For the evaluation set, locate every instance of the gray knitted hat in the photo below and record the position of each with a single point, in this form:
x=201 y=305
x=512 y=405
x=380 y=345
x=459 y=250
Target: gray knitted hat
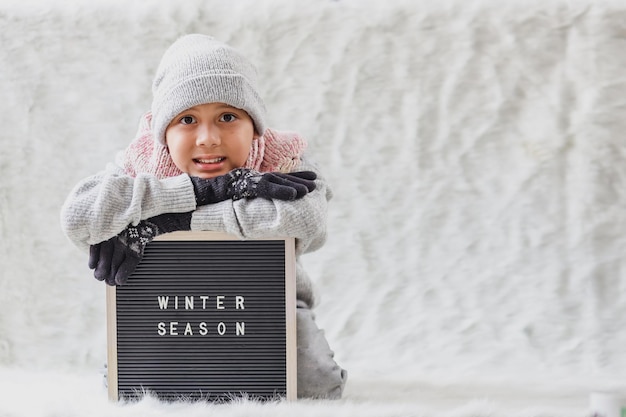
x=198 y=69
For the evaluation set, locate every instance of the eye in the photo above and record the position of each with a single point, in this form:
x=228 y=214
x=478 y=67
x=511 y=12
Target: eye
x=228 y=117
x=187 y=120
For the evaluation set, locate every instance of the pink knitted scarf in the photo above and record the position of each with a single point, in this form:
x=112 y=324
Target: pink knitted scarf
x=273 y=152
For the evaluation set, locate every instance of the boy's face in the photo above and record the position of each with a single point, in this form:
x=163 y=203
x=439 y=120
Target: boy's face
x=210 y=139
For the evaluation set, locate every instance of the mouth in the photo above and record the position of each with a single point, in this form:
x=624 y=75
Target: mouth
x=210 y=160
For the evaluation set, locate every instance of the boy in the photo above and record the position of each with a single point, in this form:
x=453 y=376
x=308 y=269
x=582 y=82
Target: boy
x=203 y=159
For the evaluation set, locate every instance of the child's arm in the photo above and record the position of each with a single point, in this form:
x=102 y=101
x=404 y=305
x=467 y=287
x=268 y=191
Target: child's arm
x=115 y=259
x=103 y=205
x=304 y=219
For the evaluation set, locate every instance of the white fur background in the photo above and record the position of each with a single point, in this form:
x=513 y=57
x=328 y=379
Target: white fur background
x=477 y=250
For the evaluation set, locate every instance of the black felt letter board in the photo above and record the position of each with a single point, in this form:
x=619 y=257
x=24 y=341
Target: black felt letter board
x=205 y=319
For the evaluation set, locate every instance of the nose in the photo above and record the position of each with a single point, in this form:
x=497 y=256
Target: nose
x=207 y=135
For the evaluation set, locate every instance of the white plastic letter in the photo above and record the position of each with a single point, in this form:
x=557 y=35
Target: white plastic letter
x=163 y=301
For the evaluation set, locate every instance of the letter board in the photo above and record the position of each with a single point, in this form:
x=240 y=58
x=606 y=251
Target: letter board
x=205 y=316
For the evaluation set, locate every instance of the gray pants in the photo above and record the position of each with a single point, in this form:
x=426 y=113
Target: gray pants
x=319 y=376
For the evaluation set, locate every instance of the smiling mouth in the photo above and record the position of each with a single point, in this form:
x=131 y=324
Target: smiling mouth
x=210 y=161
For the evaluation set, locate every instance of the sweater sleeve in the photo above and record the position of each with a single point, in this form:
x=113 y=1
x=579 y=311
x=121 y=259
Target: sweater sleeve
x=303 y=219
x=102 y=205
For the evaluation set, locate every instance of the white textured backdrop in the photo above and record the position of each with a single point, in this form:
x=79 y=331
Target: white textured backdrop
x=476 y=254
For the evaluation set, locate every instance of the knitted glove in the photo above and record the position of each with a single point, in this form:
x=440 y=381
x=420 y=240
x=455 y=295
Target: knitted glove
x=114 y=260
x=246 y=183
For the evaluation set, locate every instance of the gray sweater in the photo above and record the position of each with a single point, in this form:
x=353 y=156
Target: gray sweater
x=102 y=205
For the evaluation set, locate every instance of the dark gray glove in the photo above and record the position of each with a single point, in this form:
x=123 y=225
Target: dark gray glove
x=246 y=183
x=114 y=260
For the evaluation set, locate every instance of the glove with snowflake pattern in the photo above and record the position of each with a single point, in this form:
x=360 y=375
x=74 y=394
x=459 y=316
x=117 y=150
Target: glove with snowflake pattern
x=114 y=260
x=246 y=183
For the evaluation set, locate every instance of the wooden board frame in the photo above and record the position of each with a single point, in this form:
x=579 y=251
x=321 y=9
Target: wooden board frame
x=290 y=312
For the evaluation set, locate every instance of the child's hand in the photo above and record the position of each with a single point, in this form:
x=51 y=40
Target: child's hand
x=114 y=260
x=287 y=187
x=246 y=183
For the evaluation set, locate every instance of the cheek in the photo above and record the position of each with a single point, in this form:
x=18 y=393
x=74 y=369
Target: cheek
x=176 y=149
x=245 y=149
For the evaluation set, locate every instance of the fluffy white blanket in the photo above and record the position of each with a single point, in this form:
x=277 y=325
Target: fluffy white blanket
x=475 y=258
x=73 y=394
